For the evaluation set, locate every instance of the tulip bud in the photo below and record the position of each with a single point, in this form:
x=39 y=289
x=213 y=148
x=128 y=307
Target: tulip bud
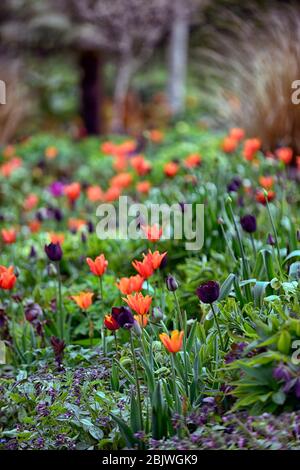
x=52 y=271
x=248 y=223
x=171 y=283
x=208 y=292
x=270 y=239
x=137 y=329
x=157 y=314
x=54 y=251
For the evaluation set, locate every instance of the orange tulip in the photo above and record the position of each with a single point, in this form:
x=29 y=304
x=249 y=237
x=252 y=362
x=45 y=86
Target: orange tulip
x=9 y=167
x=152 y=232
x=126 y=147
x=260 y=196
x=172 y=343
x=72 y=191
x=7 y=278
x=229 y=144
x=266 y=182
x=110 y=323
x=141 y=166
x=193 y=160
x=139 y=303
x=34 y=226
x=56 y=238
x=94 y=193
x=112 y=194
x=99 y=266
x=251 y=146
x=8 y=236
x=171 y=169
x=144 y=268
x=237 y=133
x=155 y=135
x=51 y=152
x=120 y=163
x=108 y=148
x=285 y=155
x=76 y=224
x=142 y=320
x=30 y=202
x=127 y=285
x=83 y=299
x=122 y=180
x=143 y=187
x=155 y=258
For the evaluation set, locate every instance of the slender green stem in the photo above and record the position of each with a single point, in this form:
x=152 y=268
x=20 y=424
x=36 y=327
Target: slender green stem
x=137 y=381
x=176 y=395
x=183 y=328
x=274 y=232
x=253 y=244
x=60 y=309
x=228 y=244
x=218 y=326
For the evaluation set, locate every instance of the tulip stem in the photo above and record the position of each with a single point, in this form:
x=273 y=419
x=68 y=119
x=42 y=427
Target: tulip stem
x=183 y=328
x=61 y=317
x=253 y=245
x=274 y=232
x=137 y=381
x=218 y=326
x=176 y=396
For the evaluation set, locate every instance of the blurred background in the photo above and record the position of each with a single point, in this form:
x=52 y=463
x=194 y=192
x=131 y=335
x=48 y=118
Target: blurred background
x=91 y=67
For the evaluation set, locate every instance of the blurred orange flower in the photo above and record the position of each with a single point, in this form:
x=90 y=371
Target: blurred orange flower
x=237 y=133
x=7 y=277
x=138 y=303
x=260 y=196
x=98 y=266
x=251 y=146
x=229 y=144
x=122 y=180
x=155 y=135
x=94 y=193
x=112 y=194
x=285 y=155
x=51 y=152
x=9 y=167
x=30 y=202
x=172 y=343
x=143 y=187
x=83 y=299
x=152 y=232
x=193 y=160
x=56 y=238
x=34 y=226
x=108 y=148
x=171 y=169
x=72 y=191
x=142 y=320
x=141 y=166
x=120 y=163
x=76 y=224
x=127 y=285
x=266 y=182
x=9 y=235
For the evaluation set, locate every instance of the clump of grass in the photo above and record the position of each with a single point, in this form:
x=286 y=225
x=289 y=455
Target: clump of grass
x=250 y=66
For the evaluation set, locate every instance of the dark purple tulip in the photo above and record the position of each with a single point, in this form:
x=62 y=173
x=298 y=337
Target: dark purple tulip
x=124 y=317
x=33 y=312
x=32 y=253
x=90 y=227
x=248 y=223
x=281 y=372
x=270 y=239
x=164 y=262
x=208 y=292
x=171 y=283
x=297 y=388
x=58 y=347
x=298 y=235
x=54 y=251
x=234 y=185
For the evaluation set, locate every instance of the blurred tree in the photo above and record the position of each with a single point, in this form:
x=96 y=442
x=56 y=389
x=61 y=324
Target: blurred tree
x=184 y=14
x=128 y=30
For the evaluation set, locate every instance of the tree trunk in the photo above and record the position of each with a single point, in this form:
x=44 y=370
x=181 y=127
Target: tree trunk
x=177 y=58
x=91 y=96
x=121 y=89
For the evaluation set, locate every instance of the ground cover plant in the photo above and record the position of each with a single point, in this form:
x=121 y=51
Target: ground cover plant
x=113 y=344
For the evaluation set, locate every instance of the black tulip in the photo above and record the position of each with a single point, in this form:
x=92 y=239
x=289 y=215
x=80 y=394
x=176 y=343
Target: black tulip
x=124 y=317
x=33 y=312
x=54 y=251
x=270 y=239
x=171 y=283
x=208 y=292
x=248 y=223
